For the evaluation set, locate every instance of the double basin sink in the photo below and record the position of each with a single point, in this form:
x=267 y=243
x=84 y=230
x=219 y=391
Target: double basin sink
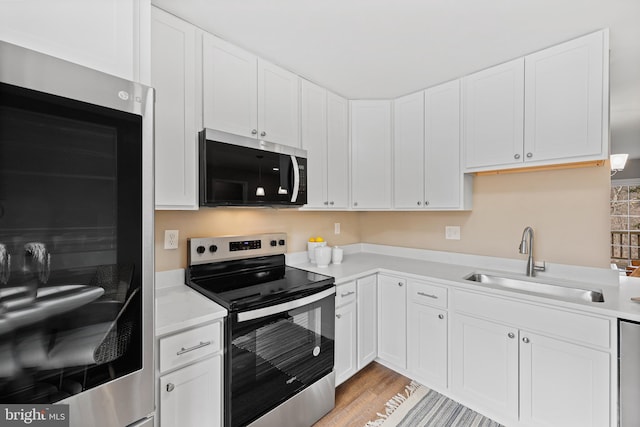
x=546 y=289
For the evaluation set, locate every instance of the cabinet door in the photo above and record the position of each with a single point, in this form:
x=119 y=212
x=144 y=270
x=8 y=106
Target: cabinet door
x=427 y=344
x=392 y=320
x=314 y=139
x=493 y=101
x=192 y=396
x=101 y=34
x=345 y=342
x=408 y=150
x=484 y=364
x=367 y=292
x=173 y=74
x=337 y=151
x=371 y=151
x=278 y=105
x=565 y=101
x=229 y=85
x=442 y=173
x=562 y=384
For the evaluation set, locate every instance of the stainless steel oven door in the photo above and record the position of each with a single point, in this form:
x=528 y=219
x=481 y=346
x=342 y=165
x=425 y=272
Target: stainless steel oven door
x=276 y=352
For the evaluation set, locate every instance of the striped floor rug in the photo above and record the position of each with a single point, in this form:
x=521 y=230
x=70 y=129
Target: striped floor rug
x=420 y=406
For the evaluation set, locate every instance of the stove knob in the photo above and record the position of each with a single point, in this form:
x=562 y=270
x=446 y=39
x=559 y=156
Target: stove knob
x=273 y=243
x=281 y=242
x=200 y=249
x=213 y=248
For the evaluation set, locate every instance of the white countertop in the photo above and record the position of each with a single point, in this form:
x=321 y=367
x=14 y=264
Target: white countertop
x=179 y=307
x=617 y=302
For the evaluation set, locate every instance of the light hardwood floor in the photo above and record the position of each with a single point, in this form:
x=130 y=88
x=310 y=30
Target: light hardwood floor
x=362 y=396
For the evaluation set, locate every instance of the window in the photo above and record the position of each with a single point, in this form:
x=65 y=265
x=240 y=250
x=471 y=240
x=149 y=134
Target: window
x=625 y=222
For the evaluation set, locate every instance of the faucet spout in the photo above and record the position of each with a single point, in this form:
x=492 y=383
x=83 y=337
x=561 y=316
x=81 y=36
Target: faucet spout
x=526 y=247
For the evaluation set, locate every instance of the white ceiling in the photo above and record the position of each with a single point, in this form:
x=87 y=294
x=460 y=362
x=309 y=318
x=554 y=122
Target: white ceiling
x=377 y=49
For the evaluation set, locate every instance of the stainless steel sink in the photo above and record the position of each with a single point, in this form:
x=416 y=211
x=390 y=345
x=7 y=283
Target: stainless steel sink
x=559 y=291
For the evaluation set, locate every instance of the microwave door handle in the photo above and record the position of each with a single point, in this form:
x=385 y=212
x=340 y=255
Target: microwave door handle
x=296 y=179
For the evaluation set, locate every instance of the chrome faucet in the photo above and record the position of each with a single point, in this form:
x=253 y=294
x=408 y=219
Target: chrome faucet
x=526 y=247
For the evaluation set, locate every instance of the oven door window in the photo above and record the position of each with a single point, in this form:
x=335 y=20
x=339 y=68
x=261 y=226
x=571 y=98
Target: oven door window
x=275 y=357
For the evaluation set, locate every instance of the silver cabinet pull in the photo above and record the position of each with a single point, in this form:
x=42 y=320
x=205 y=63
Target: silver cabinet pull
x=426 y=203
x=355 y=203
x=170 y=387
x=400 y=283
x=263 y=133
x=529 y=155
x=346 y=294
x=525 y=340
x=440 y=316
x=419 y=203
x=254 y=131
x=326 y=203
x=331 y=203
x=516 y=156
x=195 y=347
x=422 y=294
x=511 y=335
x=339 y=316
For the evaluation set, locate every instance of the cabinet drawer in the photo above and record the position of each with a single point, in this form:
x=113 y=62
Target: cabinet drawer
x=427 y=294
x=185 y=347
x=576 y=327
x=345 y=293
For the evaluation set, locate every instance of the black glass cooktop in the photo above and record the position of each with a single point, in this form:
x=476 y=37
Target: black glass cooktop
x=255 y=282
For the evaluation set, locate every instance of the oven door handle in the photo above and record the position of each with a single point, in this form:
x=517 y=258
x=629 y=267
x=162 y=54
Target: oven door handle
x=275 y=309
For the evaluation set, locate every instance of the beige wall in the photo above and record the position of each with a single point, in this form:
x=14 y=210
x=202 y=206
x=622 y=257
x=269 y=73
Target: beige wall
x=298 y=225
x=569 y=210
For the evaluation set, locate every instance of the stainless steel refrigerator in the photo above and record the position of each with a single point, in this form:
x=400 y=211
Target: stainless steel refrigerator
x=76 y=240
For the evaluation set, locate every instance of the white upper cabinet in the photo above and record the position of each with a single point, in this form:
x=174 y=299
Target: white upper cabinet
x=565 y=101
x=445 y=185
x=493 y=101
x=371 y=154
x=337 y=151
x=230 y=87
x=278 y=104
x=244 y=95
x=174 y=73
x=427 y=172
x=313 y=129
x=325 y=136
x=106 y=35
x=550 y=107
x=408 y=150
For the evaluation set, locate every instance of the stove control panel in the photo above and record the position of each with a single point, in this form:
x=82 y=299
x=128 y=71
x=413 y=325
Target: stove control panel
x=203 y=250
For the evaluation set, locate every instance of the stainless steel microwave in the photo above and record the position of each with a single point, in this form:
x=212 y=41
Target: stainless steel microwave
x=240 y=171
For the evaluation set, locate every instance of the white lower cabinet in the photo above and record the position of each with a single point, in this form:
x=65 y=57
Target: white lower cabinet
x=345 y=342
x=355 y=326
x=427 y=334
x=367 y=320
x=562 y=384
x=529 y=378
x=190 y=377
x=191 y=396
x=484 y=364
x=392 y=325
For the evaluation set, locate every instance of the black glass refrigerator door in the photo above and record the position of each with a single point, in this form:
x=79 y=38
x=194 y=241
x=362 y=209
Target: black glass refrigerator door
x=70 y=245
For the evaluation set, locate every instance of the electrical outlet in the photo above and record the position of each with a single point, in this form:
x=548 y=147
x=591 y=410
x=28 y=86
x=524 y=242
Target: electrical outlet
x=452 y=232
x=336 y=228
x=171 y=239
